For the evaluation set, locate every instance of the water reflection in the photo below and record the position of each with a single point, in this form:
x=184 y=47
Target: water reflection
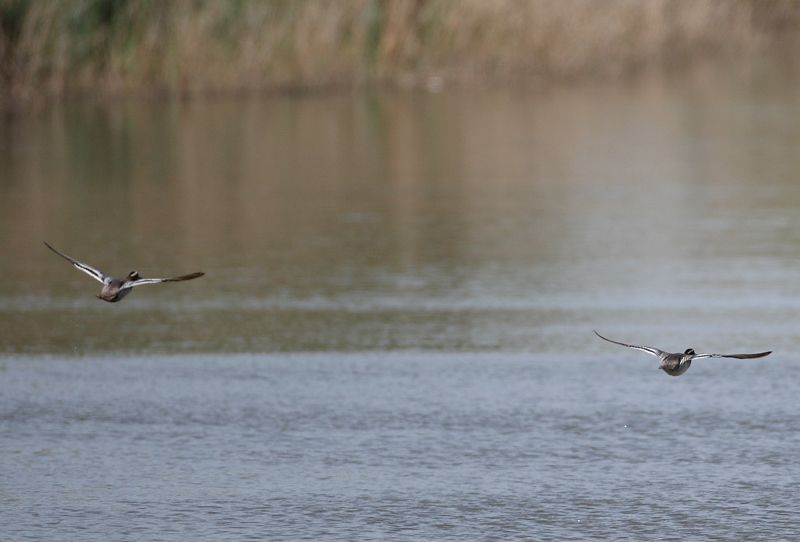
x=472 y=219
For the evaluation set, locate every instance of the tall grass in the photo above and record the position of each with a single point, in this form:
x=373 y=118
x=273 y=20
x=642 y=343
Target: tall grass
x=189 y=46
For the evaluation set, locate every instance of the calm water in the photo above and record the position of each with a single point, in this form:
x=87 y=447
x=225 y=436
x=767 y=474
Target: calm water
x=393 y=339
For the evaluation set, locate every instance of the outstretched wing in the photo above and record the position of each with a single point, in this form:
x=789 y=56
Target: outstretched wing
x=141 y=282
x=649 y=349
x=88 y=269
x=737 y=356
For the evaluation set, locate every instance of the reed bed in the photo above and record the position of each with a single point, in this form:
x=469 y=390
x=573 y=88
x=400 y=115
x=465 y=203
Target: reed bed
x=58 y=47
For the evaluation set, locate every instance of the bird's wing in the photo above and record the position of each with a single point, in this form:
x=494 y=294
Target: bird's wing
x=649 y=349
x=141 y=282
x=88 y=269
x=737 y=356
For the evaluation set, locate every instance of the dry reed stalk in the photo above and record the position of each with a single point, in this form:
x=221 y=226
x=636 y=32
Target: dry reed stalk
x=188 y=46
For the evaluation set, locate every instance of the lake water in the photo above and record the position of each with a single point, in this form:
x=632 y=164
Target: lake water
x=394 y=336
x=426 y=446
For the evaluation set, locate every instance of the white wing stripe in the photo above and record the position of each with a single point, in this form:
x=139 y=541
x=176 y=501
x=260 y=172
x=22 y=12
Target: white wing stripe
x=650 y=350
x=88 y=269
x=94 y=273
x=140 y=282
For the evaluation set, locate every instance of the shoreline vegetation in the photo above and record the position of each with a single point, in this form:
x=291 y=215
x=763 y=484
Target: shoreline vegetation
x=55 y=48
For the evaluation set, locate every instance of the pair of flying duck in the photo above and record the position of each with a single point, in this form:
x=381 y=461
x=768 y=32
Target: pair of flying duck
x=674 y=364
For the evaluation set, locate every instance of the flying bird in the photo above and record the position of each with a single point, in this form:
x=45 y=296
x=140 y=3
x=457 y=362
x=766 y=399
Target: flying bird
x=115 y=289
x=677 y=364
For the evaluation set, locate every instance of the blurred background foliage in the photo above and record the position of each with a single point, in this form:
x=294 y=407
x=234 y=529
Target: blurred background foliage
x=57 y=47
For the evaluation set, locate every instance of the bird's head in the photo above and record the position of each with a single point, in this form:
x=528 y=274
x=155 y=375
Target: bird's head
x=133 y=275
x=689 y=352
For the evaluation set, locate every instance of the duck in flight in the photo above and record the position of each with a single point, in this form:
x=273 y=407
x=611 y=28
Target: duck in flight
x=115 y=289
x=677 y=364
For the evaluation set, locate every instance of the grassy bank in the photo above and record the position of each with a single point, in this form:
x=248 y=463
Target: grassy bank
x=54 y=47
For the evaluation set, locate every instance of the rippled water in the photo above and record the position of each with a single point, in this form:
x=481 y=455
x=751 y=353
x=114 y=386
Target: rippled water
x=396 y=445
x=393 y=338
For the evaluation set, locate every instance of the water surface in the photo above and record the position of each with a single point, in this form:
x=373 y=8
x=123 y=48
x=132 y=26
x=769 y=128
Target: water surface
x=401 y=446
x=393 y=338
x=475 y=219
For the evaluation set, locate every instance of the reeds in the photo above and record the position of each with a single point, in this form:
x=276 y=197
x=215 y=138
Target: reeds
x=197 y=46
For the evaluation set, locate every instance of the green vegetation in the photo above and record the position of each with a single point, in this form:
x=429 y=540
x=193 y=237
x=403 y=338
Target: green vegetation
x=190 y=46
